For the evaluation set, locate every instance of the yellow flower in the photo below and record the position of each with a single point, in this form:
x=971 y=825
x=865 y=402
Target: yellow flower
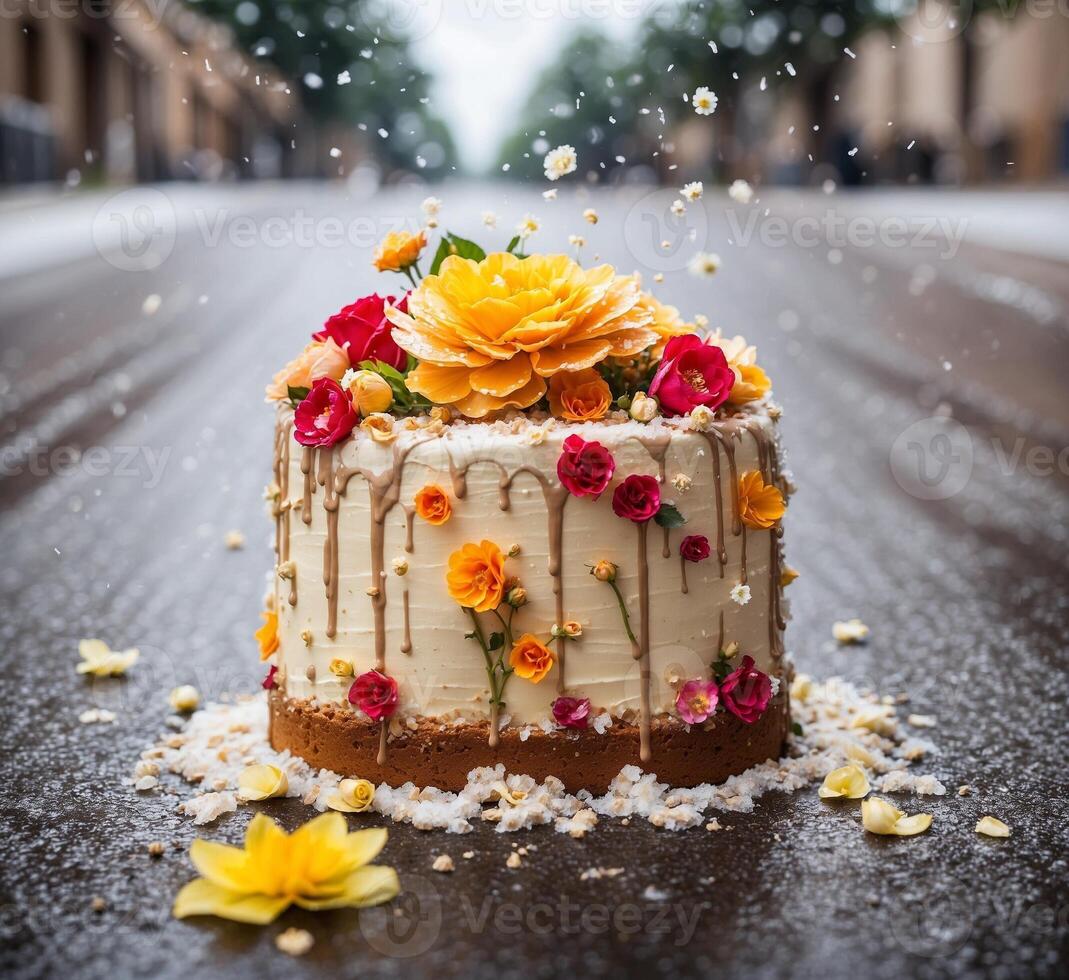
x=352 y=796
x=380 y=428
x=487 y=334
x=398 y=250
x=371 y=392
x=880 y=817
x=530 y=658
x=848 y=782
x=666 y=323
x=751 y=383
x=320 y=359
x=267 y=635
x=879 y=718
x=604 y=571
x=760 y=503
x=184 y=698
x=100 y=660
x=261 y=783
x=850 y=631
x=341 y=668
x=319 y=866
x=476 y=576
x=992 y=827
x=579 y=396
x=787 y=575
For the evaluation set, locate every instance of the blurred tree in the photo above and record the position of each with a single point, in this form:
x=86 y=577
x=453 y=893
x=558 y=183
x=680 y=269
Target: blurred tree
x=316 y=41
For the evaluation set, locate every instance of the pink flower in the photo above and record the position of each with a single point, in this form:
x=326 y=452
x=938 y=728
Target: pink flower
x=571 y=712
x=746 y=692
x=691 y=374
x=270 y=683
x=638 y=498
x=694 y=547
x=375 y=694
x=696 y=701
x=585 y=468
x=325 y=416
x=365 y=333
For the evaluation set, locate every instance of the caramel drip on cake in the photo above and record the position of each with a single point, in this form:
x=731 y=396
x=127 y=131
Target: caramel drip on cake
x=307 y=457
x=720 y=633
x=406 y=640
x=683 y=574
x=410 y=520
x=325 y=477
x=657 y=447
x=641 y=652
x=282 y=508
x=458 y=477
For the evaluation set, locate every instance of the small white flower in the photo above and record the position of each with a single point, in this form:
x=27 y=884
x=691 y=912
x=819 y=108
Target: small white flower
x=526 y=228
x=692 y=191
x=704 y=264
x=700 y=320
x=577 y=240
x=489 y=219
x=678 y=207
x=740 y=192
x=560 y=161
x=682 y=482
x=704 y=101
x=591 y=216
x=701 y=417
x=431 y=206
x=643 y=408
x=550 y=195
x=850 y=631
x=740 y=594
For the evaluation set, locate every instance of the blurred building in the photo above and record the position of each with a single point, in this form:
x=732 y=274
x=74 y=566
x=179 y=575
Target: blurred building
x=139 y=90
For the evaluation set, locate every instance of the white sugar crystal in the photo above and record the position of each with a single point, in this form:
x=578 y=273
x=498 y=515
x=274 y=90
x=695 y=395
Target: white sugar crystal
x=209 y=806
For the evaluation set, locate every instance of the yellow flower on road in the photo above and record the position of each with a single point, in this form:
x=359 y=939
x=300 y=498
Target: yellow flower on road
x=352 y=796
x=100 y=660
x=847 y=782
x=880 y=817
x=261 y=783
x=319 y=866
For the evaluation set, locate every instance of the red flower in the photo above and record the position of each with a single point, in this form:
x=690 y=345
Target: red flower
x=746 y=692
x=571 y=712
x=270 y=683
x=638 y=498
x=365 y=333
x=691 y=374
x=325 y=416
x=374 y=694
x=694 y=547
x=585 y=468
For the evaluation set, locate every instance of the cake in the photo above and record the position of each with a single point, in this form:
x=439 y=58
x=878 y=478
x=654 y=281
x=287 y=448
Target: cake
x=526 y=515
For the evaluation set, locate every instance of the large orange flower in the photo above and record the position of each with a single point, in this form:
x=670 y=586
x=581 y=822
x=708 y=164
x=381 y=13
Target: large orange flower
x=487 y=334
x=476 y=576
x=579 y=396
x=760 y=503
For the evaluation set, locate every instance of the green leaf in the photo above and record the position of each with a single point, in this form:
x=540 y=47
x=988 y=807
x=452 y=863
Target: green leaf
x=720 y=670
x=796 y=728
x=497 y=641
x=440 y=256
x=669 y=516
x=466 y=249
x=513 y=243
x=296 y=395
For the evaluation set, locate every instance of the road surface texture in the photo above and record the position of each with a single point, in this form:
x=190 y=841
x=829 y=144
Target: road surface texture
x=947 y=537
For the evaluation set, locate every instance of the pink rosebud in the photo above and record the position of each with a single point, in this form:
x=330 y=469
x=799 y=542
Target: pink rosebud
x=571 y=712
x=362 y=330
x=585 y=468
x=696 y=701
x=694 y=547
x=375 y=694
x=638 y=498
x=325 y=416
x=746 y=692
x=691 y=374
x=270 y=683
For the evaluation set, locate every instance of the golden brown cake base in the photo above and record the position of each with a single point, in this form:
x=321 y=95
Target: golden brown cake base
x=442 y=755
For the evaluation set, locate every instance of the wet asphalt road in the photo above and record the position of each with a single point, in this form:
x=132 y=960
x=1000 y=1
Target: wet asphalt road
x=948 y=539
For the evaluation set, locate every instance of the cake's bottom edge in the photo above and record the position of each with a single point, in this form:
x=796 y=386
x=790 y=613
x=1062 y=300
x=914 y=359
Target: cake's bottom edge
x=442 y=755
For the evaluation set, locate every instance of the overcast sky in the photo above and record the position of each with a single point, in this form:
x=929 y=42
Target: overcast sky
x=486 y=54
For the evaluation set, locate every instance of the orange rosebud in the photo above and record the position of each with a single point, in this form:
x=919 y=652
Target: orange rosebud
x=579 y=396
x=530 y=658
x=433 y=505
x=267 y=635
x=398 y=250
x=318 y=360
x=760 y=504
x=476 y=576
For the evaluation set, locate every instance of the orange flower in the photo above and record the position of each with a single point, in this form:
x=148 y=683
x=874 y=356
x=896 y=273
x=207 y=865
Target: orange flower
x=751 y=382
x=579 y=396
x=487 y=334
x=531 y=658
x=760 y=504
x=476 y=576
x=267 y=635
x=317 y=360
x=398 y=250
x=433 y=505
